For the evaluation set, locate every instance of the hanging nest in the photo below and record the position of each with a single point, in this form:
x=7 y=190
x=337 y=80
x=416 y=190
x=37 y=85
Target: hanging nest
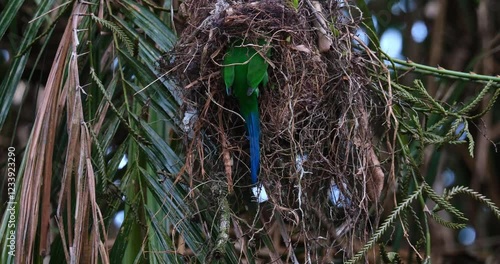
x=319 y=153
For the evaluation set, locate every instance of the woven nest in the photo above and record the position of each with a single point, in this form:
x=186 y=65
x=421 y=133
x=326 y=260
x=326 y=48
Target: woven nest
x=317 y=116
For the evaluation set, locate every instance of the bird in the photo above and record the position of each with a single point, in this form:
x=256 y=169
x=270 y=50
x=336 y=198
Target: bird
x=244 y=70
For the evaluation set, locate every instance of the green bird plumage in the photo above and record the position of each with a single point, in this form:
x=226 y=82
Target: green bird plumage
x=244 y=70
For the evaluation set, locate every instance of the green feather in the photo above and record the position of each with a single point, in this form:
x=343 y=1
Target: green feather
x=244 y=70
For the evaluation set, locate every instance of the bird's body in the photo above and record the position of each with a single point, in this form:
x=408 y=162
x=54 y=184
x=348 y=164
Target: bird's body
x=244 y=70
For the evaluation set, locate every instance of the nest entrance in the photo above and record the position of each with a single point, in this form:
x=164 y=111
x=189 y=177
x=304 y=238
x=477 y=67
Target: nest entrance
x=317 y=143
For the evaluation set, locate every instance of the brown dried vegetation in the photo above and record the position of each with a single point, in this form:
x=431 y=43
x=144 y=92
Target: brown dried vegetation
x=318 y=114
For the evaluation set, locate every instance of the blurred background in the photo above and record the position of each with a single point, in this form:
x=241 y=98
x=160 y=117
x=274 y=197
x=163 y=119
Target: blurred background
x=462 y=35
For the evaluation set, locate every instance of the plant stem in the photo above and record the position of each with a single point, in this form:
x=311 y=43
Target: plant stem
x=439 y=71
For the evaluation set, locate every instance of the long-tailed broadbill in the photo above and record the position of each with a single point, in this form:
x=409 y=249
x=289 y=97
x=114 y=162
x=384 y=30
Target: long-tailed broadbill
x=244 y=71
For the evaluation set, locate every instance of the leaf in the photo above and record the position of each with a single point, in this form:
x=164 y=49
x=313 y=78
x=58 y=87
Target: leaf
x=13 y=77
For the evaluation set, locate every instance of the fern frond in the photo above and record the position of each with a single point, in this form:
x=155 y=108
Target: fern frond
x=476 y=196
x=443 y=203
x=445 y=223
x=438 y=124
x=420 y=228
x=117 y=31
x=425 y=95
x=134 y=133
x=101 y=163
x=389 y=257
x=472 y=104
x=452 y=131
x=416 y=102
x=385 y=226
x=490 y=104
x=470 y=138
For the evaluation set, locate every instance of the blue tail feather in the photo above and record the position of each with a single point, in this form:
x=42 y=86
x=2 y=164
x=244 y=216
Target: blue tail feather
x=253 y=128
